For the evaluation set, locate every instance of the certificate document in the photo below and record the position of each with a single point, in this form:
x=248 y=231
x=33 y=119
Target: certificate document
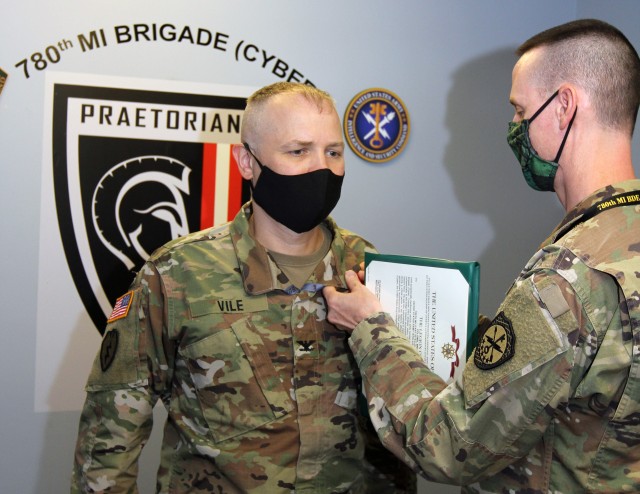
x=434 y=302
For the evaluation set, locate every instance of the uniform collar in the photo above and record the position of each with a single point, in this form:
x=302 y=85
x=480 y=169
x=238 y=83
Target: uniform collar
x=574 y=216
x=260 y=273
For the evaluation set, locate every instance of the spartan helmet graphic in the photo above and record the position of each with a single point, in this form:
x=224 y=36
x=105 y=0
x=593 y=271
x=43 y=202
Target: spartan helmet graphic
x=138 y=205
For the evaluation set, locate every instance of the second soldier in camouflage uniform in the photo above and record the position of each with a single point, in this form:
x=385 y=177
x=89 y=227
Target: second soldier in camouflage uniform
x=550 y=400
x=231 y=334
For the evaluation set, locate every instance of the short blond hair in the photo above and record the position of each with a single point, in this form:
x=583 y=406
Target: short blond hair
x=255 y=103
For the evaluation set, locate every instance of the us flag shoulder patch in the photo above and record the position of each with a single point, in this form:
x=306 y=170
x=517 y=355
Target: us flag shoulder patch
x=121 y=307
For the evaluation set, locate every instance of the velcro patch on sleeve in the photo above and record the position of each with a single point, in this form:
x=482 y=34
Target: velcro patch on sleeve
x=527 y=339
x=552 y=297
x=108 y=349
x=496 y=345
x=118 y=362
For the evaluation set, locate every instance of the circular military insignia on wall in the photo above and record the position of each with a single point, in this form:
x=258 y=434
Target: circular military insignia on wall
x=496 y=345
x=376 y=125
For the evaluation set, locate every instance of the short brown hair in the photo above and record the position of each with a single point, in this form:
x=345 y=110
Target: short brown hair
x=597 y=57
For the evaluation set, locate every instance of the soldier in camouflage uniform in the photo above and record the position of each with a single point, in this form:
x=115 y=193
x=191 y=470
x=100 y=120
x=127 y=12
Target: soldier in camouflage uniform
x=549 y=402
x=228 y=328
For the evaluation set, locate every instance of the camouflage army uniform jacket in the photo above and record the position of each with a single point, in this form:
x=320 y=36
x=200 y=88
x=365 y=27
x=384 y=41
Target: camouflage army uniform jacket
x=549 y=402
x=260 y=388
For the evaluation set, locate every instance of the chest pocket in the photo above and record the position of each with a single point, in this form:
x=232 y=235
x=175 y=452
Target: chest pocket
x=236 y=383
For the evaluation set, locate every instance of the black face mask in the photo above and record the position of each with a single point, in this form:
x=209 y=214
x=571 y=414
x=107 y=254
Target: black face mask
x=299 y=202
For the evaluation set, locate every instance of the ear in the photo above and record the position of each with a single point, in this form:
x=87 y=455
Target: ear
x=243 y=159
x=568 y=97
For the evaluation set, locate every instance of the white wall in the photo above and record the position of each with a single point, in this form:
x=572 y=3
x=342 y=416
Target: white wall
x=455 y=192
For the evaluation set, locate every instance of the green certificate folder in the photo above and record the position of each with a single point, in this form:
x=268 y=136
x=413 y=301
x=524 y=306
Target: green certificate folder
x=434 y=303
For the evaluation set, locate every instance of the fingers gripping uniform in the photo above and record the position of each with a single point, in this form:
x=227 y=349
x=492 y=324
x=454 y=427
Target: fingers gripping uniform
x=261 y=390
x=550 y=399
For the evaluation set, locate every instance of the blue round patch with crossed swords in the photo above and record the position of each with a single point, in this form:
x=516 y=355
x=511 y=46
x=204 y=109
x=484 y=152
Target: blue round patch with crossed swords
x=376 y=125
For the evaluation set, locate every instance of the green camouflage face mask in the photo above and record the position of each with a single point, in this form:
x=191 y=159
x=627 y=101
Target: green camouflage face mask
x=538 y=173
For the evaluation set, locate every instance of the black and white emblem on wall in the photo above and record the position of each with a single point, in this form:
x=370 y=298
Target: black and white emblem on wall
x=139 y=201
x=133 y=169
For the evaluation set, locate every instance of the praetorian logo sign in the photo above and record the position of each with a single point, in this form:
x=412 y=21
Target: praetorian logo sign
x=133 y=169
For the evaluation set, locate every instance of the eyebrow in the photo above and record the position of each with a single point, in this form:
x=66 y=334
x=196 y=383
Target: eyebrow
x=296 y=142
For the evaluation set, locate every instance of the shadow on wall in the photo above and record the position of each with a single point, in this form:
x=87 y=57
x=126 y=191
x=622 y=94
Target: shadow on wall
x=486 y=175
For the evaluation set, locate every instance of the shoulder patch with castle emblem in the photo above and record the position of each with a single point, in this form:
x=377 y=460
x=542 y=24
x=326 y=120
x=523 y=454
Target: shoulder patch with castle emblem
x=496 y=345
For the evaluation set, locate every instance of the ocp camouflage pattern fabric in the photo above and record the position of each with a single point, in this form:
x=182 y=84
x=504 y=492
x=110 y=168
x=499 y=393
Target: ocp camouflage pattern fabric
x=561 y=414
x=261 y=390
